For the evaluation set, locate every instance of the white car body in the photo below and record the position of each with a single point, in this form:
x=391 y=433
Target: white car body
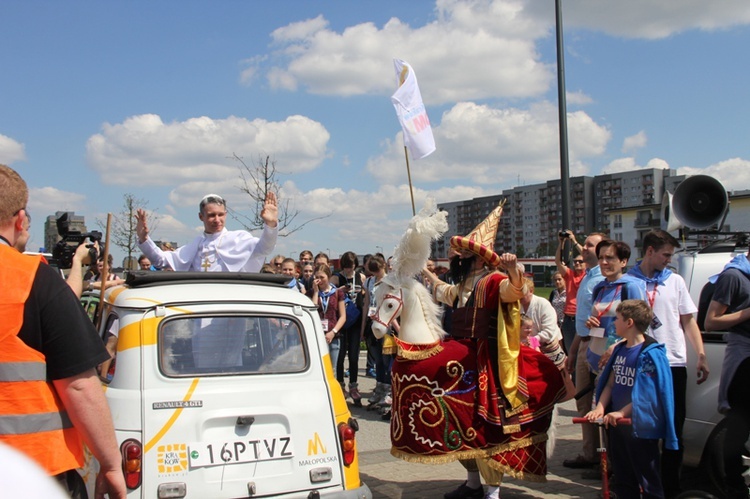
x=224 y=382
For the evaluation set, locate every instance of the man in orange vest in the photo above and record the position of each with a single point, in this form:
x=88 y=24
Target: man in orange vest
x=51 y=400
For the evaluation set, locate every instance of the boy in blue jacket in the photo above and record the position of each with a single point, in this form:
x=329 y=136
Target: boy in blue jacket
x=637 y=384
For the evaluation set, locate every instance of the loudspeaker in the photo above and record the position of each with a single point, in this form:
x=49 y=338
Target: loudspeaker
x=698 y=202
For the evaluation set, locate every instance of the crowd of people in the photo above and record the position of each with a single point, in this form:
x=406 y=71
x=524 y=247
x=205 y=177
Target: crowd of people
x=619 y=336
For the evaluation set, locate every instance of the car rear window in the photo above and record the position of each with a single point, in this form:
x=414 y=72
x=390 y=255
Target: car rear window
x=230 y=345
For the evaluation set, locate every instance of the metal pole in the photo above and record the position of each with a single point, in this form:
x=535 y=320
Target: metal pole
x=563 y=120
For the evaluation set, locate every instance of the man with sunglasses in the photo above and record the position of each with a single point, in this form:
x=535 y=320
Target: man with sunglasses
x=217 y=249
x=573 y=278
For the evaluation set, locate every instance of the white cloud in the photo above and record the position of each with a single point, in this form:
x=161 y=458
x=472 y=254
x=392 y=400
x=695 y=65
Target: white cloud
x=48 y=200
x=492 y=147
x=11 y=150
x=144 y=148
x=497 y=37
x=634 y=142
x=733 y=173
x=629 y=164
x=652 y=19
x=578 y=98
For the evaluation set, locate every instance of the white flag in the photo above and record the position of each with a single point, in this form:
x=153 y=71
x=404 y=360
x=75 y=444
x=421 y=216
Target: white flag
x=411 y=112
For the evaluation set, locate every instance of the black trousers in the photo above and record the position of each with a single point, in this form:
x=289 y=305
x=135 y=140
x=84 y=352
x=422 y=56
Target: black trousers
x=738 y=430
x=671 y=460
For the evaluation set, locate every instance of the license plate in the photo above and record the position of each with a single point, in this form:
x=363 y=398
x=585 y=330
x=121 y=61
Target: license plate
x=240 y=451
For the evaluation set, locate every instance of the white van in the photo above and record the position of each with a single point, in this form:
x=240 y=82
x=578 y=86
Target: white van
x=223 y=388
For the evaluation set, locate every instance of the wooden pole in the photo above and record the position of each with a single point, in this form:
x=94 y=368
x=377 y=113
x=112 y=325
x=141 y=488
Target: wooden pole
x=411 y=189
x=105 y=273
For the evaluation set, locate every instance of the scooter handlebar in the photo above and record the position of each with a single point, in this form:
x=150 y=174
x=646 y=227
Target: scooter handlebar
x=625 y=421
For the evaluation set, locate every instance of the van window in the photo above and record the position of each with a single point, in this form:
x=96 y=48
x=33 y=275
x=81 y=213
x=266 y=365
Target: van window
x=205 y=346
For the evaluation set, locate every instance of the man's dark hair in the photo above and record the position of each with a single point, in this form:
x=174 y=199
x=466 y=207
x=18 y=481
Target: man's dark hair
x=622 y=250
x=141 y=258
x=657 y=239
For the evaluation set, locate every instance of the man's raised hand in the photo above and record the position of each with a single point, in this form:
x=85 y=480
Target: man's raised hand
x=141 y=226
x=270 y=212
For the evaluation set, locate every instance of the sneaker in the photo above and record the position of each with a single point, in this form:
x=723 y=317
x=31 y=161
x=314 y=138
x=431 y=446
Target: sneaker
x=356 y=396
x=377 y=394
x=370 y=373
x=385 y=413
x=580 y=462
x=465 y=492
x=387 y=400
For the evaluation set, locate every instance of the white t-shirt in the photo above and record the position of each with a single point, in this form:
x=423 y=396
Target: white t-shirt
x=669 y=302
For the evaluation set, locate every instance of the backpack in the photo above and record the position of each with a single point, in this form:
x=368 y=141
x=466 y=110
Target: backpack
x=352 y=311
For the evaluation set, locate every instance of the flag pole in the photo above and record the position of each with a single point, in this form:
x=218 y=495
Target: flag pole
x=408 y=174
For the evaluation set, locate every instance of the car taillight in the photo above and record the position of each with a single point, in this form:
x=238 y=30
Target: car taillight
x=131 y=462
x=348 y=442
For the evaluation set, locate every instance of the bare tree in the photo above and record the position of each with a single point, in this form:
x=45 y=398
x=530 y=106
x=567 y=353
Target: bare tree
x=122 y=231
x=257 y=181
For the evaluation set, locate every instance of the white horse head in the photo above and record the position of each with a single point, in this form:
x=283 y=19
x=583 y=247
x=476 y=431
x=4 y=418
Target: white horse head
x=400 y=295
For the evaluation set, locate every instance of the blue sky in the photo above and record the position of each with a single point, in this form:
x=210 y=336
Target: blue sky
x=104 y=98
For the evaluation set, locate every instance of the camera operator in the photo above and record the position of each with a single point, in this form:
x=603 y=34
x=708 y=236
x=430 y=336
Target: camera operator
x=81 y=257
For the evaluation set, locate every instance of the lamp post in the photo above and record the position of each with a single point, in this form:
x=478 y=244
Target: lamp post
x=380 y=248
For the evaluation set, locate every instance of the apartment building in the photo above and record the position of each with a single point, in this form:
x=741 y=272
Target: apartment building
x=532 y=216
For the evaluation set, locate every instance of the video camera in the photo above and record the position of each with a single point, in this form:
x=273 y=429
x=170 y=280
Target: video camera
x=65 y=248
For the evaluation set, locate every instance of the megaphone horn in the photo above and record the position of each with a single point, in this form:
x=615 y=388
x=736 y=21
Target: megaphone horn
x=699 y=202
x=668 y=220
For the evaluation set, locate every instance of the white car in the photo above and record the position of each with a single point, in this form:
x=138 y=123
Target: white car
x=223 y=388
x=703 y=433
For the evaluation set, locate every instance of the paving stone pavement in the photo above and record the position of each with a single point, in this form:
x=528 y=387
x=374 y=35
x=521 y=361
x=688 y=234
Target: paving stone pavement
x=392 y=478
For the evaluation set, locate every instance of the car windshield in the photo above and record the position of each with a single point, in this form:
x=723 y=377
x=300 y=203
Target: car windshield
x=205 y=346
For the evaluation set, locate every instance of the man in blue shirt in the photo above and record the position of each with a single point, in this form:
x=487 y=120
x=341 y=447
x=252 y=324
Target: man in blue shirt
x=577 y=356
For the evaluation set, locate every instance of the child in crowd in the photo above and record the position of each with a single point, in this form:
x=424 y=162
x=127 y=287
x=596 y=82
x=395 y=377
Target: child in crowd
x=527 y=331
x=289 y=268
x=637 y=384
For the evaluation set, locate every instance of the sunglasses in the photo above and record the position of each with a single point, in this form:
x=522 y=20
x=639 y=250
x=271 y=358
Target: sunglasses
x=577 y=261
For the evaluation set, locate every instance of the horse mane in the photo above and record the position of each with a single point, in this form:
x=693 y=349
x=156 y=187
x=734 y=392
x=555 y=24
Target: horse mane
x=433 y=313
x=413 y=250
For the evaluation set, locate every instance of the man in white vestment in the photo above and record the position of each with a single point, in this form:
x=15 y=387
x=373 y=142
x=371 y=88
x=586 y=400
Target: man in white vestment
x=218 y=249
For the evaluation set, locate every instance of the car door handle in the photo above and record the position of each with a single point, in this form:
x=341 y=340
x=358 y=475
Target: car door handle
x=245 y=420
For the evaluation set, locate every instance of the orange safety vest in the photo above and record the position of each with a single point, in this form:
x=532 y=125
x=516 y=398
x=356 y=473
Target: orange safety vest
x=32 y=418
